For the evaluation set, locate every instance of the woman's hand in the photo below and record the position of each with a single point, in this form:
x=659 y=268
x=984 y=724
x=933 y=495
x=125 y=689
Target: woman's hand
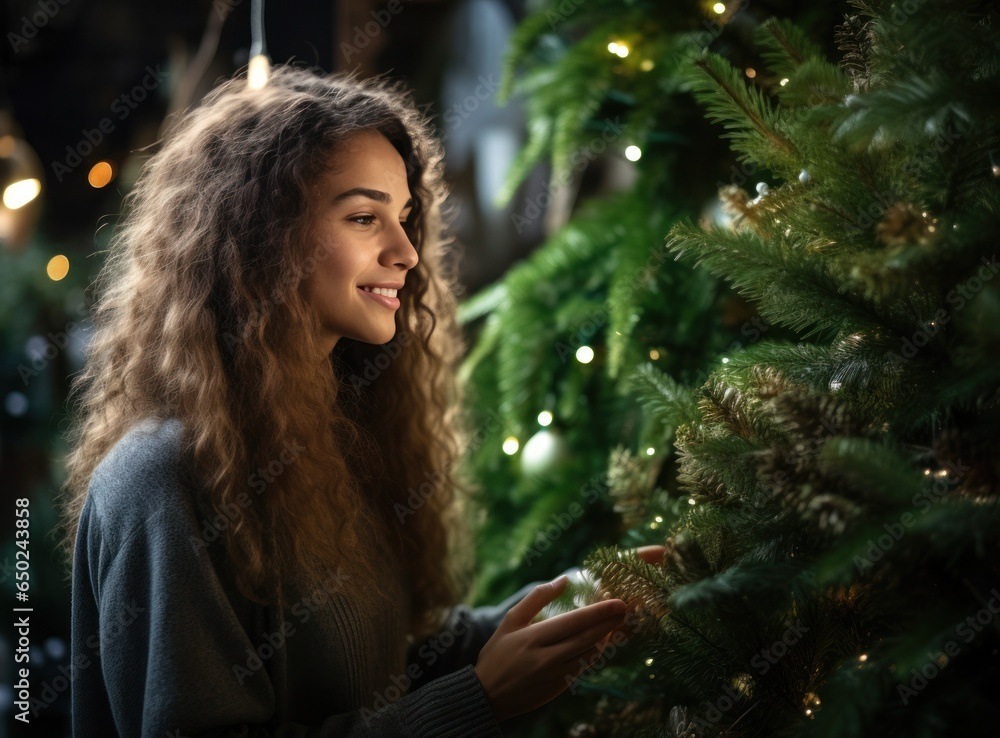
x=525 y=665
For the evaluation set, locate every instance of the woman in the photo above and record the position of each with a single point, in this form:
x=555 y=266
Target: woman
x=261 y=501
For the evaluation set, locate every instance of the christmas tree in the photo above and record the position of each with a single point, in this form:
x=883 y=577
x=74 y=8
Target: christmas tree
x=560 y=335
x=832 y=564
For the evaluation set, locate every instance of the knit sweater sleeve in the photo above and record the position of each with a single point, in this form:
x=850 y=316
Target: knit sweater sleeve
x=170 y=636
x=456 y=645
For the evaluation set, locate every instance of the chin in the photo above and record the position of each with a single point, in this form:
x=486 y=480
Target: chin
x=380 y=337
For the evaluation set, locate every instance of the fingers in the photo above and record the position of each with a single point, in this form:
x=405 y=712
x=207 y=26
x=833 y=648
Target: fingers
x=525 y=611
x=579 y=663
x=568 y=625
x=651 y=554
x=583 y=641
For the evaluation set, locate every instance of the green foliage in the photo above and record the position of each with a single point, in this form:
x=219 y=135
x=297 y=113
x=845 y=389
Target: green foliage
x=836 y=569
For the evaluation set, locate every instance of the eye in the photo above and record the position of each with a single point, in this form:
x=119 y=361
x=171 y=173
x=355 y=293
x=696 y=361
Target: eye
x=362 y=219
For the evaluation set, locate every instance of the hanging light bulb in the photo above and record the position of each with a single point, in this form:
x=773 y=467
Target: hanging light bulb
x=21 y=179
x=259 y=68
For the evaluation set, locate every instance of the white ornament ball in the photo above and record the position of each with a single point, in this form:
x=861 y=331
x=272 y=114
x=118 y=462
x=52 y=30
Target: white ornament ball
x=544 y=452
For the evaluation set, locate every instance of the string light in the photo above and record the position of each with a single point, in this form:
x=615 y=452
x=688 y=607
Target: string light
x=57 y=268
x=545 y=418
x=863 y=658
x=659 y=519
x=654 y=354
x=19 y=194
x=650 y=451
x=649 y=662
x=100 y=174
x=725 y=359
x=510 y=445
x=691 y=501
x=585 y=354
x=647 y=65
x=751 y=72
x=783 y=82
x=719 y=8
x=632 y=153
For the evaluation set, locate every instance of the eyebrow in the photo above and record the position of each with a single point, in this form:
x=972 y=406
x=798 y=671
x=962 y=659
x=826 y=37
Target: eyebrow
x=383 y=197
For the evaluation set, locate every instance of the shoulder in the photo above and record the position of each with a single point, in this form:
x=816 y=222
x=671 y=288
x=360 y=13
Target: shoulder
x=141 y=476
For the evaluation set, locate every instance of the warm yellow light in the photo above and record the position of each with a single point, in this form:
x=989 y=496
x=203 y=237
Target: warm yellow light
x=863 y=657
x=647 y=65
x=585 y=354
x=783 y=82
x=649 y=662
x=622 y=50
x=258 y=71
x=751 y=72
x=632 y=153
x=650 y=451
x=57 y=268
x=658 y=519
x=719 y=8
x=545 y=418
x=7 y=145
x=691 y=501
x=100 y=174
x=613 y=47
x=510 y=445
x=20 y=193
x=654 y=354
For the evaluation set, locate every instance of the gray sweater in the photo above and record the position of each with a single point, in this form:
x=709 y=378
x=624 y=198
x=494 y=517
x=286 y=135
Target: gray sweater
x=163 y=644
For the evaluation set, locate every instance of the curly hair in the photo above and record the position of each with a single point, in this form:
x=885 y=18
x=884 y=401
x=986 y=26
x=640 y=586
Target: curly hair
x=201 y=315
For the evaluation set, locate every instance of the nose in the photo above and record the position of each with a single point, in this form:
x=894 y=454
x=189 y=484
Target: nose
x=399 y=250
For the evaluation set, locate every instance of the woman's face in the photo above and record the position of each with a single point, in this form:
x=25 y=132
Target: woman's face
x=364 y=201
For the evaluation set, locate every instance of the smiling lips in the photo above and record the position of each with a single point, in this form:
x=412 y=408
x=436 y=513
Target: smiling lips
x=383 y=295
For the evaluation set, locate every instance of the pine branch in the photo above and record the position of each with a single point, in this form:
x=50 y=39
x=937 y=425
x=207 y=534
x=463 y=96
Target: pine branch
x=750 y=121
x=785 y=46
